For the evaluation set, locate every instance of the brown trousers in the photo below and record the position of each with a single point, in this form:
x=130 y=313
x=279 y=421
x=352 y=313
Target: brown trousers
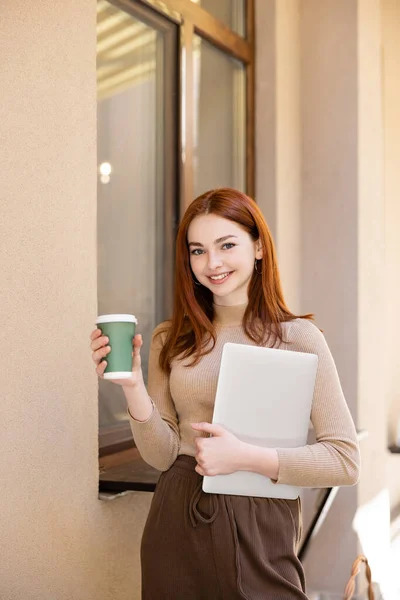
x=199 y=546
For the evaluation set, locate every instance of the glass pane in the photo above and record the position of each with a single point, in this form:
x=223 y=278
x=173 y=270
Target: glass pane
x=219 y=152
x=130 y=179
x=230 y=12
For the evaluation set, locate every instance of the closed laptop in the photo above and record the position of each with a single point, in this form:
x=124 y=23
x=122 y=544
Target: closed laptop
x=264 y=397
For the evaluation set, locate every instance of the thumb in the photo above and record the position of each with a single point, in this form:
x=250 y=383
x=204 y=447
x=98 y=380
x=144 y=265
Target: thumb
x=213 y=428
x=137 y=343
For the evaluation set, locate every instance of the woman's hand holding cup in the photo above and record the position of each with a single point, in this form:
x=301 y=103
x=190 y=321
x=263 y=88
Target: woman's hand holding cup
x=101 y=348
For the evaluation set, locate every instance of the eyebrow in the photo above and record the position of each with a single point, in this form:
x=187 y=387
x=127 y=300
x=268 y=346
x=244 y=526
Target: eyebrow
x=218 y=241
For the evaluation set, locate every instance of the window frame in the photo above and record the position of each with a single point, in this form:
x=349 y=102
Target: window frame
x=118 y=438
x=190 y=19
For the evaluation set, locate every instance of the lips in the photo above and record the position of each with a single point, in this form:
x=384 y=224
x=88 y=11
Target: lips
x=222 y=280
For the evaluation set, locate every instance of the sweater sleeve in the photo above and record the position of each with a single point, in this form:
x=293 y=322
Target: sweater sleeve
x=158 y=438
x=334 y=459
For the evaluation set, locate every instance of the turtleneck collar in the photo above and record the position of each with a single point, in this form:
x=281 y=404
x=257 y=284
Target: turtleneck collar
x=229 y=315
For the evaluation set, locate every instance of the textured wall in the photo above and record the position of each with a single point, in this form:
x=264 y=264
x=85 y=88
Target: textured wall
x=278 y=135
x=326 y=63
x=329 y=232
x=391 y=114
x=371 y=252
x=59 y=541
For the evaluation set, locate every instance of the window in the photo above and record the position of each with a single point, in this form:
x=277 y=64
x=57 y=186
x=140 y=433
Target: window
x=230 y=12
x=219 y=119
x=137 y=211
x=174 y=79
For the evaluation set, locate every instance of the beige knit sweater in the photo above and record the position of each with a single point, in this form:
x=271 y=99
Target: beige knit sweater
x=187 y=396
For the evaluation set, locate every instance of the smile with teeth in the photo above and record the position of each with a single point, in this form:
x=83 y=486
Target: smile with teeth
x=220 y=277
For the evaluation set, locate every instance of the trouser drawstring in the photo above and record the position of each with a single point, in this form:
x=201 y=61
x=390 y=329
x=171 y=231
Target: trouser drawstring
x=194 y=513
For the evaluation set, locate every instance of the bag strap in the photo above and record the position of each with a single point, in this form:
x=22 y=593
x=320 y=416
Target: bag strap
x=350 y=587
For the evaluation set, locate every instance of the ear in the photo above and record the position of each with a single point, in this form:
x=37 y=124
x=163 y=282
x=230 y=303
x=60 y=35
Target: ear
x=259 y=250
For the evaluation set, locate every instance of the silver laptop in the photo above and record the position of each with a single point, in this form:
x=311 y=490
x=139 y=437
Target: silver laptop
x=264 y=397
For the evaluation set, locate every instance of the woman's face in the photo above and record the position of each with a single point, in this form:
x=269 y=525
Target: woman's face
x=222 y=257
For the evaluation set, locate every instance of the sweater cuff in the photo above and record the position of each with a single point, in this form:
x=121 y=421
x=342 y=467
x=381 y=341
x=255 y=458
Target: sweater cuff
x=147 y=420
x=282 y=475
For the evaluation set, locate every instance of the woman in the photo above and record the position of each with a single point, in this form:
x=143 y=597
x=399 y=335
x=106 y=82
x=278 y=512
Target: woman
x=195 y=545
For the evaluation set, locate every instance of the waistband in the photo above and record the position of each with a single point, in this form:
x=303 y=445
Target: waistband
x=185 y=465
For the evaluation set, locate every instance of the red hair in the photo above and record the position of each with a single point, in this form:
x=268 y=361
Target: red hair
x=191 y=326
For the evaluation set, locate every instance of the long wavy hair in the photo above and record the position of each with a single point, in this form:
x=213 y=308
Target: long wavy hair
x=191 y=326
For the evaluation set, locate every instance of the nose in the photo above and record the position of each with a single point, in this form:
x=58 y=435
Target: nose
x=214 y=260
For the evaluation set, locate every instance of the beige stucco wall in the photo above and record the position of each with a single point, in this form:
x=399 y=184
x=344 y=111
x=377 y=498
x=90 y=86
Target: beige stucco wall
x=278 y=135
x=306 y=139
x=59 y=542
x=391 y=117
x=345 y=277
x=319 y=186
x=329 y=233
x=371 y=265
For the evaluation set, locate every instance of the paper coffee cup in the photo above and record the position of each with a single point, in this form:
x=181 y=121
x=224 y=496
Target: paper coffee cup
x=120 y=330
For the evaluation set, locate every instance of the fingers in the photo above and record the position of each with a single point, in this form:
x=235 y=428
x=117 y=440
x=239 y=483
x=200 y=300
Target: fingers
x=199 y=470
x=101 y=350
x=99 y=344
x=98 y=340
x=101 y=368
x=99 y=347
x=100 y=354
x=211 y=428
x=137 y=342
x=95 y=334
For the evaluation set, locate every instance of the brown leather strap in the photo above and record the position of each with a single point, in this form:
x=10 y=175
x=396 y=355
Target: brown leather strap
x=350 y=587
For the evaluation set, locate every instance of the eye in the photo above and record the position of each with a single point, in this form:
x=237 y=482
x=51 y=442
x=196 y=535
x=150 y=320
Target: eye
x=196 y=251
x=228 y=246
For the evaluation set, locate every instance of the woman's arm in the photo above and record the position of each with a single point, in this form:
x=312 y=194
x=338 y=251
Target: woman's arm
x=335 y=458
x=259 y=460
x=152 y=415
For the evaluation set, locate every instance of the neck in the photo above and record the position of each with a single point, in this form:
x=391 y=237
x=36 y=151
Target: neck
x=229 y=315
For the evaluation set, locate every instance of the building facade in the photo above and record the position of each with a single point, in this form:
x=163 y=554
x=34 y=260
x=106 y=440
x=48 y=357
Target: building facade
x=327 y=177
